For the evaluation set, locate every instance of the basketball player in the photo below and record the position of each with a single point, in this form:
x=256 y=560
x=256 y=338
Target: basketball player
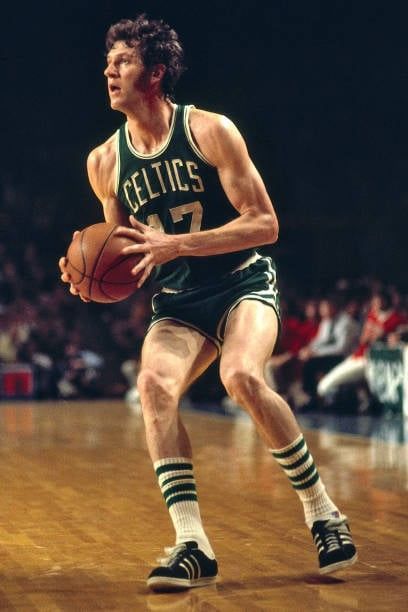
x=198 y=211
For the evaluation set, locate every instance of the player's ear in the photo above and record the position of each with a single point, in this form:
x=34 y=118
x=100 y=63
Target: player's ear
x=157 y=73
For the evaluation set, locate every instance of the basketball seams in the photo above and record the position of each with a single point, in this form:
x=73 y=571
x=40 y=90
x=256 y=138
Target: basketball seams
x=98 y=258
x=102 y=282
x=101 y=272
x=82 y=271
x=83 y=254
x=102 y=279
x=112 y=267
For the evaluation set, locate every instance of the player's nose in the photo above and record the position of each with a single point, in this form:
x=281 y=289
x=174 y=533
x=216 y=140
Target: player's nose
x=109 y=71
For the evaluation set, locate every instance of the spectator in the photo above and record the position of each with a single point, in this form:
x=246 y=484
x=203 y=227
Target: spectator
x=81 y=372
x=284 y=369
x=335 y=338
x=14 y=331
x=42 y=366
x=381 y=320
x=10 y=285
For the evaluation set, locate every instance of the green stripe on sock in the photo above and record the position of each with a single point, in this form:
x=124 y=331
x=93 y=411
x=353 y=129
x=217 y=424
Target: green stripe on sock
x=173 y=467
x=173 y=478
x=298 y=463
x=309 y=483
x=291 y=451
x=188 y=486
x=304 y=474
x=181 y=498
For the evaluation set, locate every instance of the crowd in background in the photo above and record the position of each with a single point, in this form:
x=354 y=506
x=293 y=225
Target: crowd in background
x=322 y=354
x=74 y=349
x=92 y=350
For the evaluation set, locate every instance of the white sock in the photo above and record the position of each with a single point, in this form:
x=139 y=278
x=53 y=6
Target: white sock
x=177 y=484
x=298 y=464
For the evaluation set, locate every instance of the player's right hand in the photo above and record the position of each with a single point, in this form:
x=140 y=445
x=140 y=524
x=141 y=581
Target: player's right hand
x=66 y=277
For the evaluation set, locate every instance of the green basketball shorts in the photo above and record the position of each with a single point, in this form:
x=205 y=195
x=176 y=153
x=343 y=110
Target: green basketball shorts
x=207 y=308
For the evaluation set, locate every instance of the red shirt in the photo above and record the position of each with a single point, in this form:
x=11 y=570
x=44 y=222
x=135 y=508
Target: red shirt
x=380 y=326
x=296 y=334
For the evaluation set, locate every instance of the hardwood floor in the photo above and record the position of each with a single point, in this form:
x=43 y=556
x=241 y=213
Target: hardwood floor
x=82 y=519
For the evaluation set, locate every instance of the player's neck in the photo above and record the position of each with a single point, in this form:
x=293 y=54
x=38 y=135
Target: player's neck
x=149 y=127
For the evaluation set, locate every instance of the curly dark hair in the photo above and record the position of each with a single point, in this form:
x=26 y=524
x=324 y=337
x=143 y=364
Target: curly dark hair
x=157 y=43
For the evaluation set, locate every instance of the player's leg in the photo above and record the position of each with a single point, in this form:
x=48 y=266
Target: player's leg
x=250 y=336
x=172 y=357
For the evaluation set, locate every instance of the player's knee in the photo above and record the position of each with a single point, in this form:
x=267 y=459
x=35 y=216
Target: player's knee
x=159 y=389
x=241 y=384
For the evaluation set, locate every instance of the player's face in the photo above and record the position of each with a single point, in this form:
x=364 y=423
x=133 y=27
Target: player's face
x=127 y=77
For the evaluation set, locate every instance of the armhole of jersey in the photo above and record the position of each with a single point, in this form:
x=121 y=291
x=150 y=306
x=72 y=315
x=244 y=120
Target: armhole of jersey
x=117 y=162
x=190 y=138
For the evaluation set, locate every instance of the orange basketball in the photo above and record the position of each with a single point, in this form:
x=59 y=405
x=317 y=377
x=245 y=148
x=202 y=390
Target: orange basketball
x=96 y=266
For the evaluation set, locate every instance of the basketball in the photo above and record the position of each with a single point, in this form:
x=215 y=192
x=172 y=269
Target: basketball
x=96 y=266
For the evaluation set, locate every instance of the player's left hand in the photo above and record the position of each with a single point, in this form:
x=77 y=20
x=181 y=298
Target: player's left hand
x=155 y=246
x=65 y=276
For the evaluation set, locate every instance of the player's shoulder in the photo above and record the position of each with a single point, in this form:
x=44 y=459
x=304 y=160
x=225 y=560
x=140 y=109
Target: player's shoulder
x=104 y=154
x=216 y=135
x=101 y=167
x=202 y=121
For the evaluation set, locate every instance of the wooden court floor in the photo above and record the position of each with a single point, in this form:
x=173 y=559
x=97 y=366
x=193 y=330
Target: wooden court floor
x=82 y=520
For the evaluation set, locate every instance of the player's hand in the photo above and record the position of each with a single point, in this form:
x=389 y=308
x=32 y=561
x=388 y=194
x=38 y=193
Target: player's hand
x=154 y=246
x=66 y=278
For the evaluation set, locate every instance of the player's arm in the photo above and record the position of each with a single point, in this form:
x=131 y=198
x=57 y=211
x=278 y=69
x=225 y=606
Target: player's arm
x=101 y=169
x=101 y=173
x=256 y=224
x=223 y=146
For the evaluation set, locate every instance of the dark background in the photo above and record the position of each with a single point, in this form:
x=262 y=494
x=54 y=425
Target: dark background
x=318 y=88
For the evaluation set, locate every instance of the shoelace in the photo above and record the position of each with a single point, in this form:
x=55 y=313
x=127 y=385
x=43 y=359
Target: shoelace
x=171 y=552
x=332 y=538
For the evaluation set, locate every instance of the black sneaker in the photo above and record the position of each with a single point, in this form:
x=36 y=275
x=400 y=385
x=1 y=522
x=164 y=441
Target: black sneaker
x=334 y=544
x=186 y=566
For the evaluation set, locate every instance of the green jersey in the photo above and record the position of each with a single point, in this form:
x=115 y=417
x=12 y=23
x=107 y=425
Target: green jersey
x=177 y=191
